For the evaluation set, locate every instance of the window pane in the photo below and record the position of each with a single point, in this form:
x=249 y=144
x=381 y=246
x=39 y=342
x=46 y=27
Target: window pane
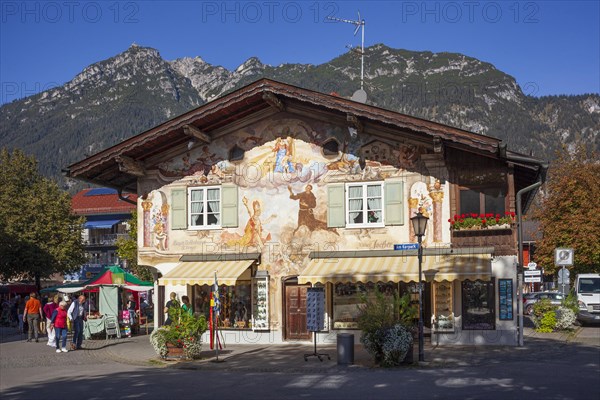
x=197 y=195
x=494 y=203
x=347 y=298
x=355 y=192
x=213 y=218
x=374 y=204
x=478 y=305
x=469 y=202
x=374 y=191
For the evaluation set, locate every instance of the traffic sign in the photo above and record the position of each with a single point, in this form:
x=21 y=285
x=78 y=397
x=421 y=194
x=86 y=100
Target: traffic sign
x=532 y=272
x=532 y=265
x=406 y=246
x=563 y=257
x=533 y=279
x=563 y=276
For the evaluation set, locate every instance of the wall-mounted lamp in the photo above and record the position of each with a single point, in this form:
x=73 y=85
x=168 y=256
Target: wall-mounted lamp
x=191 y=144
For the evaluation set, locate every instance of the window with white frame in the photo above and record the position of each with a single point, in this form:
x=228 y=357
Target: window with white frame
x=204 y=210
x=364 y=204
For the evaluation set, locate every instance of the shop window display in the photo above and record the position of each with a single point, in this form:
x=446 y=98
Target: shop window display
x=235 y=304
x=478 y=307
x=347 y=299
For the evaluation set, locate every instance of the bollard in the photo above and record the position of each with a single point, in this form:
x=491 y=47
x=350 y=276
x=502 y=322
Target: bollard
x=345 y=348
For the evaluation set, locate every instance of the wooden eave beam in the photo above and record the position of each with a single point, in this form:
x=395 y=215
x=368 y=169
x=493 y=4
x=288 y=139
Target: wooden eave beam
x=273 y=101
x=130 y=166
x=192 y=131
x=354 y=123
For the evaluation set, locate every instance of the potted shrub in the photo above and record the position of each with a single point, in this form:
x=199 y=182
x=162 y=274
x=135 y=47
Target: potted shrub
x=387 y=325
x=181 y=339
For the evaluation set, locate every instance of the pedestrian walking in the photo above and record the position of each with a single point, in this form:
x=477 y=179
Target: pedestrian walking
x=58 y=324
x=20 y=312
x=77 y=314
x=53 y=304
x=33 y=313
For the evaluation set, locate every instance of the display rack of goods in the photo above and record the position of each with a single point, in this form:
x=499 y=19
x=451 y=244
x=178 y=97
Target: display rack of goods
x=260 y=314
x=443 y=315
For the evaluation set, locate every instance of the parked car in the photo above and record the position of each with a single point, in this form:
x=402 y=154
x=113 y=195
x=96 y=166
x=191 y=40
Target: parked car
x=530 y=299
x=587 y=288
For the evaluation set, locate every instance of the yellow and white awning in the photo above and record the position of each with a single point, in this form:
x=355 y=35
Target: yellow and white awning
x=203 y=272
x=397 y=269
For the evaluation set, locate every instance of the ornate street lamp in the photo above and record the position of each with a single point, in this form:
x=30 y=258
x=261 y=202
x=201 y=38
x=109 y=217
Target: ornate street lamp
x=419 y=223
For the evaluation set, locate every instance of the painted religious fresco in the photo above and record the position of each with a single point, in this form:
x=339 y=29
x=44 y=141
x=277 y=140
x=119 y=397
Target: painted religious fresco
x=282 y=177
x=155 y=217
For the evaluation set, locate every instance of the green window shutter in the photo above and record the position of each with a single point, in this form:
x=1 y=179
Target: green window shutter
x=336 y=206
x=229 y=206
x=394 y=203
x=178 y=209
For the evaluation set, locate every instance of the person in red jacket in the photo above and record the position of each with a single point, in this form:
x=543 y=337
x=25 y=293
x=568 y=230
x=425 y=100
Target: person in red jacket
x=58 y=322
x=48 y=311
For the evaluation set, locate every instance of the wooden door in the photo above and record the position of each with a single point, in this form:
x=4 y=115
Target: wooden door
x=295 y=312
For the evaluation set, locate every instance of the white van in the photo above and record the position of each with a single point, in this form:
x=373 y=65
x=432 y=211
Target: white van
x=587 y=288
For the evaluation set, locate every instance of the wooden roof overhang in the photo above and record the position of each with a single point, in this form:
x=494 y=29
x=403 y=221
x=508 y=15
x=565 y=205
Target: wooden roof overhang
x=211 y=119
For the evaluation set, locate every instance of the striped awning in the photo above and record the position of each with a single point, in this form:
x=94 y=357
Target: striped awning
x=203 y=272
x=397 y=269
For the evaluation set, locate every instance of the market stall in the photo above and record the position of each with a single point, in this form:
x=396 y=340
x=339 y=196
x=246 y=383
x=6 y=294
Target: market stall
x=110 y=284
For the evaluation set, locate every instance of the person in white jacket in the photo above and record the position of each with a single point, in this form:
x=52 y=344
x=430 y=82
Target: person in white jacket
x=77 y=315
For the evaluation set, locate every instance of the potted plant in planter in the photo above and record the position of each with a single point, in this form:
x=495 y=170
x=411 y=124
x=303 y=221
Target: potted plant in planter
x=181 y=339
x=387 y=326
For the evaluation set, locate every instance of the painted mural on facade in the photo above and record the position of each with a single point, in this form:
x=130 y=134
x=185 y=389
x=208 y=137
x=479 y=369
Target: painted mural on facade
x=282 y=188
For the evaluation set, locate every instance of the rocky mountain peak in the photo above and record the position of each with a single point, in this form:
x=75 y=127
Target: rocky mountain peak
x=136 y=89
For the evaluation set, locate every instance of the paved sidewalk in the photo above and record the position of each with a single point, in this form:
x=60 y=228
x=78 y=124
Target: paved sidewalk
x=290 y=357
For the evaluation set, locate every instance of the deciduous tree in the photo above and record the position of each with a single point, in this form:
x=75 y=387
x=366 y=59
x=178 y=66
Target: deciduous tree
x=39 y=235
x=127 y=249
x=569 y=211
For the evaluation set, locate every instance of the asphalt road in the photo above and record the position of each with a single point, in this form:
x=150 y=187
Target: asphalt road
x=547 y=369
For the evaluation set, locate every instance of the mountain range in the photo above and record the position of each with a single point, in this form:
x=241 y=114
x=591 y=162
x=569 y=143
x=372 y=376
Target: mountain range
x=122 y=96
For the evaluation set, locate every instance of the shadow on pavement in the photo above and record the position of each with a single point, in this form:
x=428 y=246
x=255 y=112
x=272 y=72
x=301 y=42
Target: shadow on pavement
x=486 y=372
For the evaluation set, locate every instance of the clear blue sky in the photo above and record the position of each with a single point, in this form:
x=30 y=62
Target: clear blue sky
x=550 y=47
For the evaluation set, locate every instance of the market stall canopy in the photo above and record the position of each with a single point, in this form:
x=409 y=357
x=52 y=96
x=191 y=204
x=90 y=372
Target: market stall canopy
x=399 y=268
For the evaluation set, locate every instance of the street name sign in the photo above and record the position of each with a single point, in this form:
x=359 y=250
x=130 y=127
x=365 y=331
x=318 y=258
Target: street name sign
x=406 y=246
x=533 y=272
x=533 y=279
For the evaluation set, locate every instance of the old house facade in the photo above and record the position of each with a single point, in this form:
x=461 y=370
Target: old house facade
x=276 y=188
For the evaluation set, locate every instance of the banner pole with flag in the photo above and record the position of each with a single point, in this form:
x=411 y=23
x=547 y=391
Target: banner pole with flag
x=217 y=309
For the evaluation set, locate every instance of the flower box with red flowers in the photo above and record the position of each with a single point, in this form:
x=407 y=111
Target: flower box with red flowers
x=474 y=221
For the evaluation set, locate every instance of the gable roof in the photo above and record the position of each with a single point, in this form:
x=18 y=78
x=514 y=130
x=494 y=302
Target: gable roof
x=101 y=201
x=103 y=168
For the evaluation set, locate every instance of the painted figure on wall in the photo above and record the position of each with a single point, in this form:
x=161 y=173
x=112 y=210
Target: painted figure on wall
x=160 y=220
x=306 y=216
x=253 y=232
x=284 y=152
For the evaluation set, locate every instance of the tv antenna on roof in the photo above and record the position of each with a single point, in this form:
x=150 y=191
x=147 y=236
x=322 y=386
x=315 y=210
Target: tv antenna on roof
x=360 y=24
